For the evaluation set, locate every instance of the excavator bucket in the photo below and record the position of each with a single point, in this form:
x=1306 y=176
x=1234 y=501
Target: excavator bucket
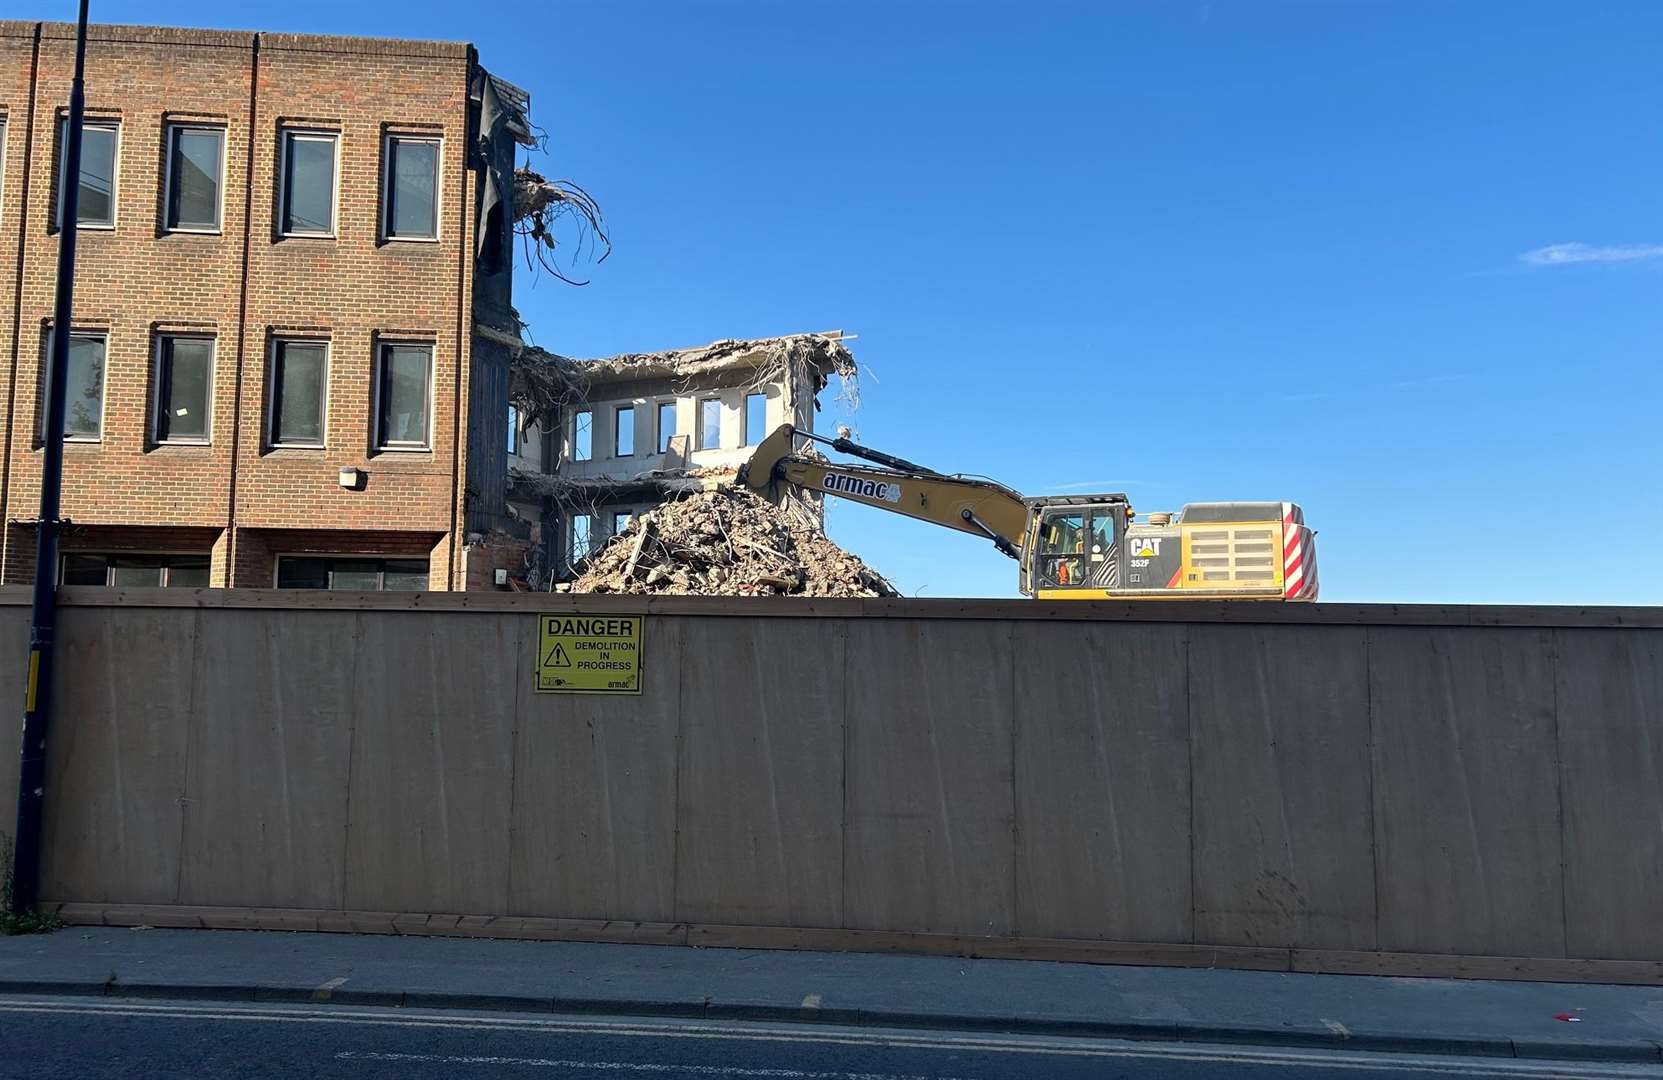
x=758 y=474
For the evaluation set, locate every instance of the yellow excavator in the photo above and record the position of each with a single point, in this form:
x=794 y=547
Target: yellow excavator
x=1070 y=547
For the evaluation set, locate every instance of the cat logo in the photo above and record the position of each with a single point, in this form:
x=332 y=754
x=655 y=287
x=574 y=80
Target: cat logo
x=1147 y=547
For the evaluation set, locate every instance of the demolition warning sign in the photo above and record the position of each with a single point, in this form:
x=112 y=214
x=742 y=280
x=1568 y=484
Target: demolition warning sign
x=589 y=654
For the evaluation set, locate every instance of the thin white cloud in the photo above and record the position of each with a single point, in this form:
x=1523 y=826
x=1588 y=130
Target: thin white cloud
x=1430 y=380
x=1306 y=396
x=1568 y=254
x=1092 y=485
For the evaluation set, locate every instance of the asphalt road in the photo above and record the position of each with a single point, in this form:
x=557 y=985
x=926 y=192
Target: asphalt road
x=94 y=1038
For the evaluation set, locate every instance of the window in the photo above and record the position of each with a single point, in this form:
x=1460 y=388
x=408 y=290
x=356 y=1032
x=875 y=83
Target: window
x=184 y=388
x=621 y=520
x=136 y=571
x=583 y=435
x=666 y=425
x=1062 y=543
x=195 y=160
x=356 y=575
x=756 y=418
x=412 y=187
x=299 y=382
x=583 y=536
x=308 y=184
x=623 y=431
x=404 y=401
x=513 y=430
x=84 y=395
x=97 y=184
x=1102 y=532
x=710 y=424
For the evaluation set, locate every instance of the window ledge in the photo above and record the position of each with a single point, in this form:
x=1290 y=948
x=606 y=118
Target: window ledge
x=399 y=241
x=294 y=448
x=182 y=444
x=404 y=450
x=193 y=232
x=407 y=465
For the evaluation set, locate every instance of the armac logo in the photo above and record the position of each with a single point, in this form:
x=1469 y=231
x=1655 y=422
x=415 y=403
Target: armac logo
x=866 y=489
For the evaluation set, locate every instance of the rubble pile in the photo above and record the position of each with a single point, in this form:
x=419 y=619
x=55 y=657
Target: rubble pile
x=727 y=542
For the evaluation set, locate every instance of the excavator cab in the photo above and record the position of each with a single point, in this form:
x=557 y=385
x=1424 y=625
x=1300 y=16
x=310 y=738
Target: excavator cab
x=1075 y=543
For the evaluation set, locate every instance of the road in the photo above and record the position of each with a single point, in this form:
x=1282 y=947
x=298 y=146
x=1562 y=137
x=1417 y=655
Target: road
x=91 y=1038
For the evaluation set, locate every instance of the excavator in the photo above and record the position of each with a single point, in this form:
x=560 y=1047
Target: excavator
x=1069 y=547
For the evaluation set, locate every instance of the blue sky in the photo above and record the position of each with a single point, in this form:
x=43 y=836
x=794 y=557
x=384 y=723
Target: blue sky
x=1398 y=262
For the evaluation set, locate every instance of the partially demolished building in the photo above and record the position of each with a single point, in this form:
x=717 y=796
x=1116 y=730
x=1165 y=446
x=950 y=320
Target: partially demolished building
x=594 y=444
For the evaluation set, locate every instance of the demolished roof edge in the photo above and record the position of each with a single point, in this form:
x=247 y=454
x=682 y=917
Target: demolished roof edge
x=729 y=354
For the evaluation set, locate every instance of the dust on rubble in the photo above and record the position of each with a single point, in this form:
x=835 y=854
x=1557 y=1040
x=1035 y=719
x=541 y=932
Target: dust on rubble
x=728 y=542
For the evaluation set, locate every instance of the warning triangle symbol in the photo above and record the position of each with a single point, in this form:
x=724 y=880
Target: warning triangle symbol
x=557 y=657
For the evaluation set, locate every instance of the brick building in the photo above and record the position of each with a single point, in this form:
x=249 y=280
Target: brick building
x=287 y=246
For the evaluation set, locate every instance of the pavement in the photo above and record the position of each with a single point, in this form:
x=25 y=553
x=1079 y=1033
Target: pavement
x=852 y=990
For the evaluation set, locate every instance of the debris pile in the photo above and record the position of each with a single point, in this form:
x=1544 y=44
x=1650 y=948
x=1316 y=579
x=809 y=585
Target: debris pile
x=728 y=542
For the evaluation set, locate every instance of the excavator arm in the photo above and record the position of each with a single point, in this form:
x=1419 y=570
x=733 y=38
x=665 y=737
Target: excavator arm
x=967 y=504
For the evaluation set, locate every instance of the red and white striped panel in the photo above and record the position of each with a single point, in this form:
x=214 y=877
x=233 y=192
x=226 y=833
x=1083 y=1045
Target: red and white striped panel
x=1299 y=556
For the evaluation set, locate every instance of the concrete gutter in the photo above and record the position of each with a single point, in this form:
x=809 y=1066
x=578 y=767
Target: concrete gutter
x=1420 y=1016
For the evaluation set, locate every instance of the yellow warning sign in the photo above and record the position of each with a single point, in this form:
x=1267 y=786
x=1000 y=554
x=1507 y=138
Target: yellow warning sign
x=589 y=654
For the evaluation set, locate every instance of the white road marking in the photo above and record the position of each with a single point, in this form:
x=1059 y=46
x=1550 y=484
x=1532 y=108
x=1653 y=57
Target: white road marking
x=1016 y=1044
x=327 y=990
x=630 y=1066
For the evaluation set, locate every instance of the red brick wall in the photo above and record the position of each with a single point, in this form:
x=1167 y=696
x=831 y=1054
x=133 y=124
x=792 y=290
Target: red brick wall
x=135 y=279
x=492 y=552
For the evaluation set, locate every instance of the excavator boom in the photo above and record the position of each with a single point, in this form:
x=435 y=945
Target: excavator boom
x=979 y=507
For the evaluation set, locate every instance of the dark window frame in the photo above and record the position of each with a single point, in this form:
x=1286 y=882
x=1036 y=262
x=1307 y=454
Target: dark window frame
x=753 y=438
x=383 y=351
x=381 y=561
x=162 y=380
x=288 y=136
x=389 y=155
x=174 y=130
x=703 y=427
x=5 y=133
x=516 y=434
x=589 y=538
x=617 y=432
x=110 y=558
x=577 y=426
x=664 y=437
x=98 y=334
x=93 y=123
x=274 y=395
